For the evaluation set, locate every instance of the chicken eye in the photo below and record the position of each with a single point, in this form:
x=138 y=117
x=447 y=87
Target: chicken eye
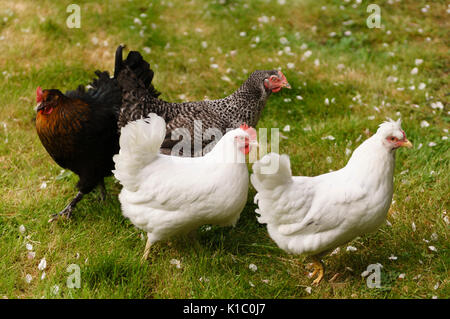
x=52 y=97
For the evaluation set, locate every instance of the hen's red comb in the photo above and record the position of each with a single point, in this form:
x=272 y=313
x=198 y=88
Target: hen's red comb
x=250 y=130
x=38 y=94
x=281 y=76
x=244 y=126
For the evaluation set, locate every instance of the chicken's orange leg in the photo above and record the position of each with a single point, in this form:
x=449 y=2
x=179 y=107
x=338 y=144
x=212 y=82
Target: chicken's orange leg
x=318 y=268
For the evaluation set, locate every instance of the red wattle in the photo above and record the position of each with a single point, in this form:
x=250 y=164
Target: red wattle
x=277 y=89
x=245 y=149
x=47 y=110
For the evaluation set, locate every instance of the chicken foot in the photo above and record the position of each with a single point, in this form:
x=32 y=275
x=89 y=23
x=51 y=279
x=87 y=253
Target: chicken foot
x=67 y=211
x=319 y=270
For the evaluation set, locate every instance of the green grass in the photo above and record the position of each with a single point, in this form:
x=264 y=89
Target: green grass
x=38 y=49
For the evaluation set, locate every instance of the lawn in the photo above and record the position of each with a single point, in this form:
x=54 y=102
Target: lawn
x=346 y=79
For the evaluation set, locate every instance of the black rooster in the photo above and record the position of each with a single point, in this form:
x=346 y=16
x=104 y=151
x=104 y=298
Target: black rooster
x=79 y=128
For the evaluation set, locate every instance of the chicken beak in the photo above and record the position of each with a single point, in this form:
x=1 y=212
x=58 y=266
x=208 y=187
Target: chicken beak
x=39 y=107
x=286 y=85
x=406 y=144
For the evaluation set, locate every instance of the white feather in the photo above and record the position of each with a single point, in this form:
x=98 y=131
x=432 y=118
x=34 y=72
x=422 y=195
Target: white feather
x=166 y=195
x=313 y=215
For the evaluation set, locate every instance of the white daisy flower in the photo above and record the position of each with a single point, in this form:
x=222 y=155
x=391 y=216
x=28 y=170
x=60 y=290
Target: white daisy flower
x=329 y=137
x=175 y=262
x=307 y=54
x=28 y=278
x=392 y=257
x=283 y=40
x=432 y=248
x=42 y=264
x=437 y=105
x=54 y=290
x=424 y=124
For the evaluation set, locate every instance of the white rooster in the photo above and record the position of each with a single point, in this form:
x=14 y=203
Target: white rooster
x=169 y=195
x=314 y=215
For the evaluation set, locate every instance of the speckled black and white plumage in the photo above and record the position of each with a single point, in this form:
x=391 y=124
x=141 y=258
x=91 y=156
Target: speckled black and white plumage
x=243 y=106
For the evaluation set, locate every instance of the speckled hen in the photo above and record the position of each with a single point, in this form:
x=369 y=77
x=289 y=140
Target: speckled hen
x=243 y=106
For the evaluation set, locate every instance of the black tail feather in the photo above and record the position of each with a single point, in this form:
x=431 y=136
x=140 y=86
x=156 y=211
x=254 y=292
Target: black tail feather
x=134 y=72
x=118 y=66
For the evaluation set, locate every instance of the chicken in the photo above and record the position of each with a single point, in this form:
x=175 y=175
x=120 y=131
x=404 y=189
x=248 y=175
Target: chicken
x=79 y=129
x=169 y=195
x=207 y=120
x=314 y=215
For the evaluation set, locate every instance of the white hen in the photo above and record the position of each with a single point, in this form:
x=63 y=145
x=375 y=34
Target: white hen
x=170 y=195
x=314 y=215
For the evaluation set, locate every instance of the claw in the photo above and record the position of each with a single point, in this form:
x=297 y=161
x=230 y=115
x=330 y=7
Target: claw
x=67 y=211
x=318 y=268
